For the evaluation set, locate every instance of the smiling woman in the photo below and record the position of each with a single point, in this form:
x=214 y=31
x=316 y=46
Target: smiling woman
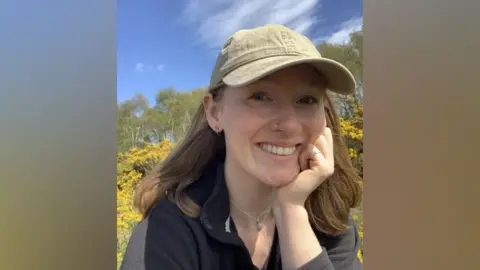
x=263 y=179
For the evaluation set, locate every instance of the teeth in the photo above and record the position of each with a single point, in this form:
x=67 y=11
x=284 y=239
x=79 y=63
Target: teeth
x=277 y=150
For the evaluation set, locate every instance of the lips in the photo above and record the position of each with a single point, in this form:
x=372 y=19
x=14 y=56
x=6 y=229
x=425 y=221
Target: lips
x=278 y=150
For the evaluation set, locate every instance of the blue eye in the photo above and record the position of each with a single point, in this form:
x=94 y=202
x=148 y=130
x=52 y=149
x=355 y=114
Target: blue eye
x=260 y=96
x=308 y=100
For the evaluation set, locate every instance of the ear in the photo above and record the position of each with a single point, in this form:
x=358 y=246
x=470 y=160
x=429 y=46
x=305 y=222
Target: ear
x=212 y=110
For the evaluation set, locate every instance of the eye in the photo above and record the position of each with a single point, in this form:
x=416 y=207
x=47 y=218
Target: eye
x=260 y=96
x=309 y=100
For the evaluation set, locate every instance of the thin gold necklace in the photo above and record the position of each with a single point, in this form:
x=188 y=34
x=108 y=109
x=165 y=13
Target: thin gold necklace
x=257 y=219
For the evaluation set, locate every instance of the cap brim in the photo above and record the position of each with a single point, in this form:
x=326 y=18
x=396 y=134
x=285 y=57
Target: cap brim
x=339 y=78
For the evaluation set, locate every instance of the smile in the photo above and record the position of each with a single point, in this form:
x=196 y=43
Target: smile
x=278 y=150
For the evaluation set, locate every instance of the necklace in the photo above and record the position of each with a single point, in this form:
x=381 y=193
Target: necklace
x=257 y=219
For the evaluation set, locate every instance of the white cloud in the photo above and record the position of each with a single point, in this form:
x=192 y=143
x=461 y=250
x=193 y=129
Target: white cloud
x=142 y=67
x=217 y=20
x=342 y=35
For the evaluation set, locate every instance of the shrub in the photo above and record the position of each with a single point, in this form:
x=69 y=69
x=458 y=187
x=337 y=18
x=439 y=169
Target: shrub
x=131 y=167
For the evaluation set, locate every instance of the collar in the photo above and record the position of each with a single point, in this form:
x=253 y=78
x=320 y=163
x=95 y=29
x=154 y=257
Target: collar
x=211 y=194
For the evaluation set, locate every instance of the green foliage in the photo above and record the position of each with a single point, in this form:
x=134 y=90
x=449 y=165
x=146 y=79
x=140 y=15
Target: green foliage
x=145 y=133
x=139 y=124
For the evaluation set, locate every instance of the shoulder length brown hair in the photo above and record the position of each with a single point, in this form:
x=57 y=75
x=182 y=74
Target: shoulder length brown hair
x=328 y=206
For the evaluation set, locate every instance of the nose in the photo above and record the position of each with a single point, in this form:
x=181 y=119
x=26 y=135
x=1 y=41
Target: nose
x=285 y=119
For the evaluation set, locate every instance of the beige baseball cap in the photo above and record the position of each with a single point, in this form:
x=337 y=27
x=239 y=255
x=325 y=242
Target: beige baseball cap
x=252 y=54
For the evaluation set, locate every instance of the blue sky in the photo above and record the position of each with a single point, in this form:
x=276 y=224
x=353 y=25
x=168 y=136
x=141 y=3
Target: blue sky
x=175 y=43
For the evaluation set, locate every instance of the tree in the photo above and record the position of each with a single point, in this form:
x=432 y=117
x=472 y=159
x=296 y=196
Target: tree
x=178 y=109
x=350 y=55
x=131 y=120
x=169 y=118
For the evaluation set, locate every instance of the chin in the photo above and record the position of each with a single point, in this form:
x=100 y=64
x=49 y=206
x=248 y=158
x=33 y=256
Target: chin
x=279 y=178
x=272 y=170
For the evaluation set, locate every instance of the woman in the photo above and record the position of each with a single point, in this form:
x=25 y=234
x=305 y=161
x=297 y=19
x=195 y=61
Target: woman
x=262 y=180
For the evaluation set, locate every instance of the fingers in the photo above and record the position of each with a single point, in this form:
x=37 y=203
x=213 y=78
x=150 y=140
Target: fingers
x=327 y=145
x=305 y=157
x=321 y=152
x=324 y=144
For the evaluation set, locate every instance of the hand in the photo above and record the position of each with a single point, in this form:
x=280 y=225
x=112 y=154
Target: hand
x=315 y=168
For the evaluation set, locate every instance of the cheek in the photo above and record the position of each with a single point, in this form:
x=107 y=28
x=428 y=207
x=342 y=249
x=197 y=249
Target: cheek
x=316 y=126
x=323 y=122
x=240 y=125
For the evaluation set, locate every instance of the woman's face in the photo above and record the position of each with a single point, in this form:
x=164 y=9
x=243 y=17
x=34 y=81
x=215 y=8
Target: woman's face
x=268 y=123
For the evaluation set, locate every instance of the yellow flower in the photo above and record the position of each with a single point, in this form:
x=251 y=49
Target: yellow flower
x=131 y=167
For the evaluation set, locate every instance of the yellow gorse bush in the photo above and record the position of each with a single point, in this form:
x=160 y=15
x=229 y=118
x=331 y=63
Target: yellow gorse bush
x=352 y=131
x=349 y=130
x=131 y=167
